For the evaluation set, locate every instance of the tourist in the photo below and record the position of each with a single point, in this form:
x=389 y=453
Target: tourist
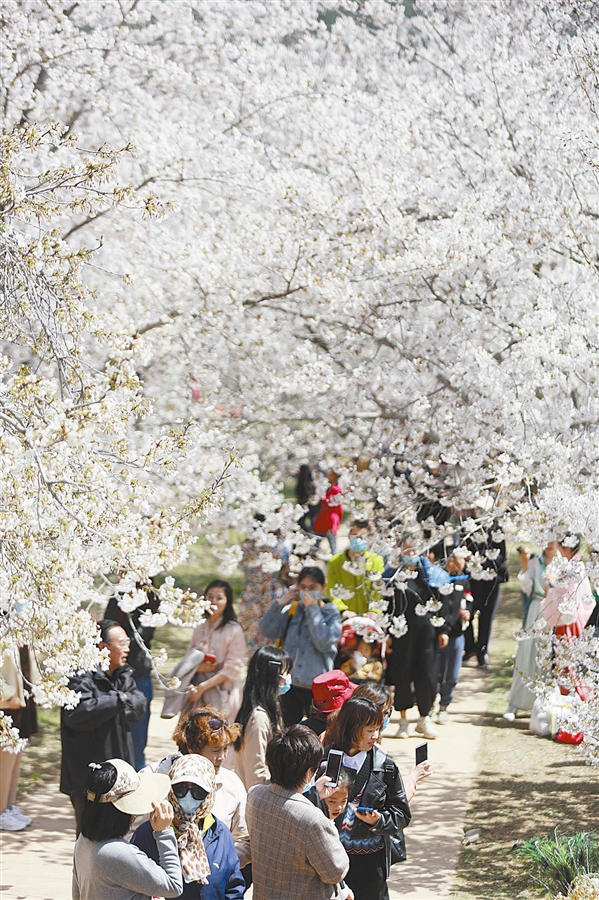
x=382 y=695
x=360 y=653
x=354 y=575
x=305 y=495
x=329 y=692
x=371 y=827
x=260 y=715
x=296 y=852
x=17 y=669
x=208 y=859
x=139 y=660
x=308 y=626
x=456 y=611
x=107 y=867
x=207 y=733
x=485 y=584
x=412 y=657
x=98 y=726
x=330 y=512
x=526 y=669
x=218 y=683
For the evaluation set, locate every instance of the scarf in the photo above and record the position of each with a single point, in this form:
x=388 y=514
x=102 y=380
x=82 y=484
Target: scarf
x=188 y=828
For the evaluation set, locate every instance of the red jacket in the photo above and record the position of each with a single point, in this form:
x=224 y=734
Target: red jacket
x=330 y=512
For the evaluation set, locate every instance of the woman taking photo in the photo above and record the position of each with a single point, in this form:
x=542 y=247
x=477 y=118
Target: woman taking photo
x=208 y=858
x=260 y=714
x=105 y=866
x=218 y=682
x=377 y=811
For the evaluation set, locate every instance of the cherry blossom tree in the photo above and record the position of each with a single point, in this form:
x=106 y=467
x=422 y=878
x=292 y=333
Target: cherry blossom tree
x=378 y=244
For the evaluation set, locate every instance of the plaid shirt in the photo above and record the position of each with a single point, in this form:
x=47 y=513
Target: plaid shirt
x=296 y=851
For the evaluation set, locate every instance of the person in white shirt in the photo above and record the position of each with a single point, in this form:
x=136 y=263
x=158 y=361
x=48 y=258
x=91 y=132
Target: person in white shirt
x=206 y=732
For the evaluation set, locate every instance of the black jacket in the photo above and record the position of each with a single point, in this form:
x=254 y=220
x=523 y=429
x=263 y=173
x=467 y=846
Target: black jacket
x=96 y=729
x=383 y=791
x=452 y=603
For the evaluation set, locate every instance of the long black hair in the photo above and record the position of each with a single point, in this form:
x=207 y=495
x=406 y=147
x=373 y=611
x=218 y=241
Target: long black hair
x=101 y=821
x=229 y=614
x=262 y=687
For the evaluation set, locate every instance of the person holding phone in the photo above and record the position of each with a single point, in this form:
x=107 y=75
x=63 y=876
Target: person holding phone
x=382 y=695
x=296 y=852
x=371 y=825
x=308 y=626
x=218 y=681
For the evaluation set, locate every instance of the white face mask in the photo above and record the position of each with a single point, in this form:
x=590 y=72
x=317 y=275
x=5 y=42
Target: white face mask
x=359 y=659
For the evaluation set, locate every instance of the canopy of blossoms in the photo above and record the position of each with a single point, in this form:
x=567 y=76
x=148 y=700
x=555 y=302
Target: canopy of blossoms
x=363 y=234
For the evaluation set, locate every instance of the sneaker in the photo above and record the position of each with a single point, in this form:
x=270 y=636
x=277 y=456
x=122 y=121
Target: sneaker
x=9 y=822
x=425 y=727
x=402 y=730
x=19 y=814
x=510 y=713
x=443 y=717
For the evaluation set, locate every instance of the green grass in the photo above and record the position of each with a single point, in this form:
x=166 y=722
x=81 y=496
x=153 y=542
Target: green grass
x=200 y=568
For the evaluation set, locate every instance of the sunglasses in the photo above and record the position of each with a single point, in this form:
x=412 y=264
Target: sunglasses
x=184 y=787
x=213 y=724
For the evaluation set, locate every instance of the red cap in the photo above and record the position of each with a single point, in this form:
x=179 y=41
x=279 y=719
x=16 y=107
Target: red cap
x=331 y=690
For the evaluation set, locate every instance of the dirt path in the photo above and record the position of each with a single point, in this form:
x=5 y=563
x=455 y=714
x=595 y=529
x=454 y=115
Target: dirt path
x=36 y=863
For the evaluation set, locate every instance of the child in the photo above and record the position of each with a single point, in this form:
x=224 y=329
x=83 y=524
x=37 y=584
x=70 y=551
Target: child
x=337 y=801
x=360 y=650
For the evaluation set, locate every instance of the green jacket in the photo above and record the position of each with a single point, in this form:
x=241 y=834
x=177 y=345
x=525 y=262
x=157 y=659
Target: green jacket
x=365 y=592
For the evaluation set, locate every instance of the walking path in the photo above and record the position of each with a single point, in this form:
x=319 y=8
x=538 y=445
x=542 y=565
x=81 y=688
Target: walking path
x=36 y=863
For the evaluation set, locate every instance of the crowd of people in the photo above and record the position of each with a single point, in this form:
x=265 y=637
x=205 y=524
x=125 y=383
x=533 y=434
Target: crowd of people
x=310 y=678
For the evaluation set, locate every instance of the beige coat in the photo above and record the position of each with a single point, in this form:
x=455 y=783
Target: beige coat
x=296 y=851
x=11 y=680
x=250 y=759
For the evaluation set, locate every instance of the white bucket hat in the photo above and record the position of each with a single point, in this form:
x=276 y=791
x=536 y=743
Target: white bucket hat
x=134 y=792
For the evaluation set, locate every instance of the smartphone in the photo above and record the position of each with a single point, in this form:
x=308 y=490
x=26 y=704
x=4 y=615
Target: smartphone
x=333 y=769
x=421 y=753
x=364 y=809
x=209 y=658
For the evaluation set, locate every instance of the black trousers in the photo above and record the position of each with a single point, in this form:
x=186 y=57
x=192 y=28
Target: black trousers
x=485 y=604
x=296 y=705
x=367 y=876
x=412 y=666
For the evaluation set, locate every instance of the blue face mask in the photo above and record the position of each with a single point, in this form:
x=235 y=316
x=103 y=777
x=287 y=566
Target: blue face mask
x=188 y=804
x=310 y=784
x=357 y=545
x=283 y=688
x=385 y=722
x=409 y=560
x=304 y=594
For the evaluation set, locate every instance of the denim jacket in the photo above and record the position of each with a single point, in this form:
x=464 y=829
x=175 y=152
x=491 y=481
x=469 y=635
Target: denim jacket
x=311 y=637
